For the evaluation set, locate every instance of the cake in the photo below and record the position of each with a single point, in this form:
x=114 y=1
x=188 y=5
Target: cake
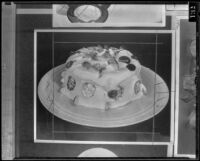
x=102 y=77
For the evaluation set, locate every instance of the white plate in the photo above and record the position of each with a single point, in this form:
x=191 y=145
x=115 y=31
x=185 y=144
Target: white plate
x=132 y=113
x=97 y=152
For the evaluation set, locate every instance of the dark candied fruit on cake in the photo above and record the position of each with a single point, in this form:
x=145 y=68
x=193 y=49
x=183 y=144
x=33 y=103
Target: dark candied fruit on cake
x=131 y=67
x=116 y=93
x=86 y=64
x=124 y=59
x=69 y=64
x=112 y=94
x=71 y=83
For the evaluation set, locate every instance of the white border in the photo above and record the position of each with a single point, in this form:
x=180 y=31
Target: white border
x=35 y=83
x=102 y=142
x=8 y=94
x=109 y=142
x=104 y=30
x=173 y=75
x=178 y=18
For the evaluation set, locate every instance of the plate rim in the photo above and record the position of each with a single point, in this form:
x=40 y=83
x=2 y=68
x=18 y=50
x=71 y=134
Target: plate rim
x=88 y=122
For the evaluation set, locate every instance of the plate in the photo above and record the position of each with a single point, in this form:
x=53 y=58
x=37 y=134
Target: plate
x=135 y=112
x=97 y=152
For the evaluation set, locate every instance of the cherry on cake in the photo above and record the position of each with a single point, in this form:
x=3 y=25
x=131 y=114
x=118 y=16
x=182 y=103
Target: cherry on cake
x=102 y=77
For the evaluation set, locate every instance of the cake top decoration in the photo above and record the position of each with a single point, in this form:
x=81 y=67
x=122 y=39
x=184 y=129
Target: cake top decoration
x=103 y=59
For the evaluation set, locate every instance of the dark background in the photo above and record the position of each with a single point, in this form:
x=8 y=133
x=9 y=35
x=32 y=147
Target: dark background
x=25 y=147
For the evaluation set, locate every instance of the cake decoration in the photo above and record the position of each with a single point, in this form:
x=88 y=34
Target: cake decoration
x=71 y=83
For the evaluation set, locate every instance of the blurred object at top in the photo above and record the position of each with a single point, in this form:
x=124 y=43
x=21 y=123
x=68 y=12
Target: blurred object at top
x=115 y=15
x=84 y=13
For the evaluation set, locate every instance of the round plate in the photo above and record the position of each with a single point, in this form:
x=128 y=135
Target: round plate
x=97 y=152
x=136 y=111
x=86 y=11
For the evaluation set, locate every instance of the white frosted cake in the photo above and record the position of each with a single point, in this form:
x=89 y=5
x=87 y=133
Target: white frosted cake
x=102 y=77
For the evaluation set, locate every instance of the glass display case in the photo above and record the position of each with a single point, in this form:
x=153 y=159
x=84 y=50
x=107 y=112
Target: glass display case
x=134 y=94
x=136 y=122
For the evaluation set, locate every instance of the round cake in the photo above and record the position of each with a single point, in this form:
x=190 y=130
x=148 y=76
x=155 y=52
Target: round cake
x=102 y=77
